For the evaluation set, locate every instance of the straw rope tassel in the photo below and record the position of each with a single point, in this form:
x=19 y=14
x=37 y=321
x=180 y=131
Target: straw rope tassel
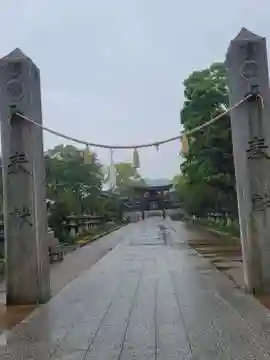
x=87 y=156
x=112 y=173
x=184 y=144
x=136 y=159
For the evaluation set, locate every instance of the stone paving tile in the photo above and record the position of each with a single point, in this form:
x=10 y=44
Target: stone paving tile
x=145 y=301
x=75 y=263
x=208 y=316
x=172 y=339
x=61 y=354
x=108 y=341
x=139 y=340
x=25 y=351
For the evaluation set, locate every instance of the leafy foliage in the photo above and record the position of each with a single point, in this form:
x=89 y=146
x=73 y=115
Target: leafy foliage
x=207 y=183
x=127 y=176
x=71 y=181
x=73 y=186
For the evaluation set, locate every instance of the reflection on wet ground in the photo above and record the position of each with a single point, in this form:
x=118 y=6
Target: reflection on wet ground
x=162 y=301
x=147 y=299
x=10 y=316
x=221 y=251
x=74 y=264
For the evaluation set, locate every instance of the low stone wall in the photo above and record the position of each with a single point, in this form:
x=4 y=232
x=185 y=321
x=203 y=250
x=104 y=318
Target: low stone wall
x=76 y=225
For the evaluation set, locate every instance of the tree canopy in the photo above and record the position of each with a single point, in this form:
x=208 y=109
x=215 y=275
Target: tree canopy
x=74 y=181
x=71 y=180
x=207 y=182
x=127 y=176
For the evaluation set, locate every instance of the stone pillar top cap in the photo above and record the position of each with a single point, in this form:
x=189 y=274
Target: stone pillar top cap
x=246 y=35
x=16 y=54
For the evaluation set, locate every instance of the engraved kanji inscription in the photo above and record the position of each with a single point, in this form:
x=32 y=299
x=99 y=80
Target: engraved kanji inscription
x=23 y=215
x=257 y=202
x=260 y=201
x=250 y=50
x=249 y=70
x=17 y=164
x=15 y=69
x=257 y=149
x=267 y=200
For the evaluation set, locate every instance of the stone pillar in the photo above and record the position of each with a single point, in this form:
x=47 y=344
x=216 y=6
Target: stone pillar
x=73 y=231
x=248 y=73
x=25 y=214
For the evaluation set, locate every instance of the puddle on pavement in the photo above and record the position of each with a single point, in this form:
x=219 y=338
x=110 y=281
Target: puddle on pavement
x=13 y=315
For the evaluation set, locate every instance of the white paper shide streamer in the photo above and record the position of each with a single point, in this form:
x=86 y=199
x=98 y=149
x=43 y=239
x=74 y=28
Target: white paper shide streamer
x=112 y=172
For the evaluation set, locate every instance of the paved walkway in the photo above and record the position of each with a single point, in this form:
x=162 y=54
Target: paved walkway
x=145 y=301
x=76 y=262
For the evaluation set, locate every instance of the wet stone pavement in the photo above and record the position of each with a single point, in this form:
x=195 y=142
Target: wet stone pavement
x=145 y=300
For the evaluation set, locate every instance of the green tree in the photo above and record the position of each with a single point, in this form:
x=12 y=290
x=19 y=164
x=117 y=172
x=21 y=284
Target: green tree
x=72 y=181
x=126 y=176
x=111 y=206
x=208 y=168
x=197 y=198
x=73 y=185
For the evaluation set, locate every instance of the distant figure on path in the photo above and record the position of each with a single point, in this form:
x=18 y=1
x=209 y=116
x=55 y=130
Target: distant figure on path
x=163 y=233
x=164 y=214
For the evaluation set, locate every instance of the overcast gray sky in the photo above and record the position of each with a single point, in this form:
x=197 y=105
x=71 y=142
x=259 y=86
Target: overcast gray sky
x=112 y=70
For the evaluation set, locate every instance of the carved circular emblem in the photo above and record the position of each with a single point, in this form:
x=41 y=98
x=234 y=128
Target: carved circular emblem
x=249 y=70
x=14 y=69
x=14 y=90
